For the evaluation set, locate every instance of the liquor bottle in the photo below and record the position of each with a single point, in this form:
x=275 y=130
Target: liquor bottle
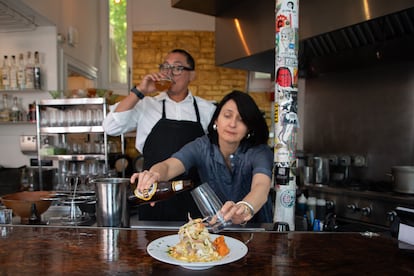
x=36 y=71
x=21 y=75
x=5 y=74
x=23 y=112
x=5 y=110
x=34 y=215
x=29 y=74
x=13 y=73
x=159 y=191
x=24 y=180
x=31 y=181
x=31 y=113
x=14 y=111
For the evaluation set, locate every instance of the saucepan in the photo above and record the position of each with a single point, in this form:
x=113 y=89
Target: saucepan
x=403 y=179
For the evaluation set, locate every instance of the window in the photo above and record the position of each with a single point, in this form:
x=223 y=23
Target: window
x=115 y=42
x=118 y=41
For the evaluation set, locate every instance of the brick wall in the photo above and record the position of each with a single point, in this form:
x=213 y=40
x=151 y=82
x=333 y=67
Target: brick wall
x=212 y=82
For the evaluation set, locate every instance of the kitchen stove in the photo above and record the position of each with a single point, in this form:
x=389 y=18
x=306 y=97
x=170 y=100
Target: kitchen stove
x=364 y=205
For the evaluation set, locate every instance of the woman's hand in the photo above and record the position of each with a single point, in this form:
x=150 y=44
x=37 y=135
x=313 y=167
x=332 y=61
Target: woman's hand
x=145 y=180
x=237 y=213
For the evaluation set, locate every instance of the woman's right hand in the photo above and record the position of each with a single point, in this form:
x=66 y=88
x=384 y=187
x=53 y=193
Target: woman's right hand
x=145 y=179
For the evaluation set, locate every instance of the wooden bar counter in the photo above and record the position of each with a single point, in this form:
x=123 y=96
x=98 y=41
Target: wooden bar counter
x=26 y=250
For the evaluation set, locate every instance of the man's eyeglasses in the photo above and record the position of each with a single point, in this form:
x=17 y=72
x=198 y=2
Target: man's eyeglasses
x=175 y=69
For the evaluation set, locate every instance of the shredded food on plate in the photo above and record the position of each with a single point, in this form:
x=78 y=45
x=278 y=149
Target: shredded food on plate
x=195 y=244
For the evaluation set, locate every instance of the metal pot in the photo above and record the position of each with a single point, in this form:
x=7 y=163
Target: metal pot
x=403 y=179
x=111 y=202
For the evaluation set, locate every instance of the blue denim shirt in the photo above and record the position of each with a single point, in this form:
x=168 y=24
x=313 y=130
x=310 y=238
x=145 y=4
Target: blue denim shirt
x=229 y=185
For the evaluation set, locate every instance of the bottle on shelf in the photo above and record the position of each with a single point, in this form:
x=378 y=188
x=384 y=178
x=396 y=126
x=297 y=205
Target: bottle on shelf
x=5 y=74
x=5 y=110
x=31 y=181
x=159 y=191
x=15 y=111
x=29 y=71
x=24 y=180
x=31 y=113
x=34 y=215
x=36 y=71
x=23 y=112
x=13 y=73
x=21 y=75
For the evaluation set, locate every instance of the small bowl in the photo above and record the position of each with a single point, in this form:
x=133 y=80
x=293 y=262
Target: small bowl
x=21 y=203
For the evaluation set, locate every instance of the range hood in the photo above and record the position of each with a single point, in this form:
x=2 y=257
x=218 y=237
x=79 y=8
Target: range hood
x=16 y=16
x=334 y=35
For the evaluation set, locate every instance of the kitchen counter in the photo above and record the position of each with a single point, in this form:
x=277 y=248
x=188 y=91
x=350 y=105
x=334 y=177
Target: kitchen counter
x=29 y=250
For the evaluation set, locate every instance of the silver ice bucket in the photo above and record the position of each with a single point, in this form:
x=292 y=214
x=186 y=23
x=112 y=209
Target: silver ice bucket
x=111 y=202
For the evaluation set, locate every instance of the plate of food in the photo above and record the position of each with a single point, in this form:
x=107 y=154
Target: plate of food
x=195 y=248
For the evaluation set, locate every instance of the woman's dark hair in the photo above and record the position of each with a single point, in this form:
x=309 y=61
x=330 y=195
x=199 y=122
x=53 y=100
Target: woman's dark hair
x=190 y=59
x=251 y=116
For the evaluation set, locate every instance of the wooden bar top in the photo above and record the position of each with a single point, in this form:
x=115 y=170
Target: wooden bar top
x=26 y=250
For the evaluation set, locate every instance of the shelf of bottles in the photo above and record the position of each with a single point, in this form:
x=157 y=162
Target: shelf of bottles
x=22 y=74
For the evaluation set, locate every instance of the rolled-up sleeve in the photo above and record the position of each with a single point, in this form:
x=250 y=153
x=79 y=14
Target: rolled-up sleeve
x=262 y=160
x=117 y=123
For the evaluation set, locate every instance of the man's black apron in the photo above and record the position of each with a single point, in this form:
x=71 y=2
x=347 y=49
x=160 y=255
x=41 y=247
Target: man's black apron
x=166 y=138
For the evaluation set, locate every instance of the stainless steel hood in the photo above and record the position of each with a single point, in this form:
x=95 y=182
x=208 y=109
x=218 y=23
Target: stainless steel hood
x=16 y=16
x=329 y=31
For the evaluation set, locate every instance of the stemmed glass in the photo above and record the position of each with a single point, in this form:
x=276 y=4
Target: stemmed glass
x=210 y=205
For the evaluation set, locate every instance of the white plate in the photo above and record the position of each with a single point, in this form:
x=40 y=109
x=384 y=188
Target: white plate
x=158 y=249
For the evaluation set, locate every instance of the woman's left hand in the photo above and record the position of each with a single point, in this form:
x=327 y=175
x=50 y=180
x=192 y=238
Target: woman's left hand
x=237 y=213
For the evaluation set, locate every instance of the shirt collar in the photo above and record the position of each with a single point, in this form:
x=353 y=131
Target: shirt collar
x=164 y=96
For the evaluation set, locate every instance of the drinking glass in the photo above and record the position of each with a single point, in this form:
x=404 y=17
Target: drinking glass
x=52 y=116
x=79 y=117
x=70 y=118
x=44 y=118
x=88 y=117
x=210 y=205
x=164 y=84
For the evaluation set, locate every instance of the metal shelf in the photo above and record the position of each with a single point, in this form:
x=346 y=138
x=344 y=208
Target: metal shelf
x=72 y=129
x=71 y=101
x=19 y=123
x=75 y=157
x=62 y=131
x=21 y=91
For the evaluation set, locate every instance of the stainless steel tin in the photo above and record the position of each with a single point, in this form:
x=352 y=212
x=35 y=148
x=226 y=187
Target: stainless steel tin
x=321 y=170
x=403 y=179
x=111 y=202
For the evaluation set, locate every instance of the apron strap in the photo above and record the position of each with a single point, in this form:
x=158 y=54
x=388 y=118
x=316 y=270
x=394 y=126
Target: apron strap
x=163 y=109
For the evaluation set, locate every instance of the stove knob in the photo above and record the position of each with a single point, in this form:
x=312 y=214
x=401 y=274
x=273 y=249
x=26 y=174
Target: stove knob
x=366 y=211
x=391 y=215
x=352 y=207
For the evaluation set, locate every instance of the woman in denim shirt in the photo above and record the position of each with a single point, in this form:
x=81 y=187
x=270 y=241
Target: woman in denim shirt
x=233 y=158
